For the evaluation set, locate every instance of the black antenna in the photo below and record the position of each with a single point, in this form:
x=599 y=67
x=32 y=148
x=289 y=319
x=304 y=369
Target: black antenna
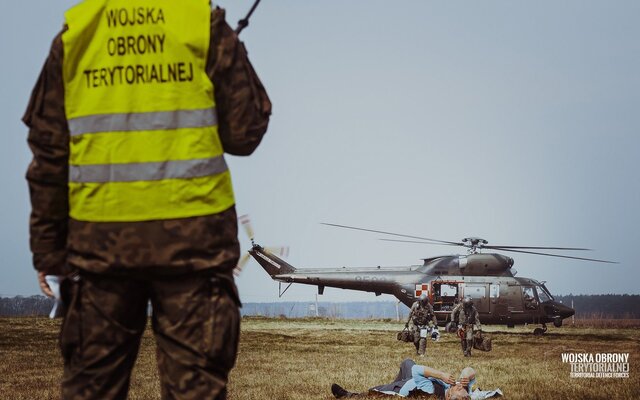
x=244 y=22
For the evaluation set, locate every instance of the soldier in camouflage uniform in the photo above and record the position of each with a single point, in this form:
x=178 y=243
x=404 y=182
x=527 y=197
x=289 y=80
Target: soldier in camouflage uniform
x=457 y=305
x=421 y=314
x=182 y=266
x=465 y=317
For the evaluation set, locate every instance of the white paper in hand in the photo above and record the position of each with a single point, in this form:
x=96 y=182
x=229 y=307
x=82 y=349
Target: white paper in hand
x=54 y=284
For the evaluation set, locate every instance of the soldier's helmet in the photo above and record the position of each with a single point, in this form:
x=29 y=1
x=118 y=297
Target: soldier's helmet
x=467 y=302
x=424 y=299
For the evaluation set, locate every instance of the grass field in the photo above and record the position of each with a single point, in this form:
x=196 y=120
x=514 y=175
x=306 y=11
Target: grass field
x=299 y=359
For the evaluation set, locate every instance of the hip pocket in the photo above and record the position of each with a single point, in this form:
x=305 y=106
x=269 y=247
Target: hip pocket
x=71 y=330
x=222 y=327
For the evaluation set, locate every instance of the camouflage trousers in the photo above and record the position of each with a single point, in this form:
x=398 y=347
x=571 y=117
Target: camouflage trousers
x=415 y=335
x=466 y=339
x=415 y=332
x=196 y=324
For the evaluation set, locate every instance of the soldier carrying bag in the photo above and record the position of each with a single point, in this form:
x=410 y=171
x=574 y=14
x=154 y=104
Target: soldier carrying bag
x=421 y=316
x=405 y=336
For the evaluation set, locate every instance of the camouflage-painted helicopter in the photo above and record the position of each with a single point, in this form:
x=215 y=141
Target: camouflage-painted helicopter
x=488 y=278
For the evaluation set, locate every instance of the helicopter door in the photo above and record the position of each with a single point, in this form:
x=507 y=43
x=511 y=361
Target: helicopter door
x=444 y=295
x=478 y=293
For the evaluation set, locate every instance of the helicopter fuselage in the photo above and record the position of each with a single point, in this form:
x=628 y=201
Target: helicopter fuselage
x=499 y=296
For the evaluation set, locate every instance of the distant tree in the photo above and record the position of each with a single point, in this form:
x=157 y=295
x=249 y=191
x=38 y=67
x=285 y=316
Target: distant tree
x=20 y=306
x=603 y=305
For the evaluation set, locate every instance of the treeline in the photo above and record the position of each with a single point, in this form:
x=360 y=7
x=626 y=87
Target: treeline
x=41 y=306
x=605 y=306
x=349 y=310
x=21 y=306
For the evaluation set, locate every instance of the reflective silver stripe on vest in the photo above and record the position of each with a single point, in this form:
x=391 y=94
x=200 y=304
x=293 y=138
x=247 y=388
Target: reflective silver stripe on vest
x=146 y=121
x=149 y=171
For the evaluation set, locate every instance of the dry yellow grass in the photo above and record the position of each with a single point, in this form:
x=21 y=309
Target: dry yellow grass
x=622 y=323
x=299 y=359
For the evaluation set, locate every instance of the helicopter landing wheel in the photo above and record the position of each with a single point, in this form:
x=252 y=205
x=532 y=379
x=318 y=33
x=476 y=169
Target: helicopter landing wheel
x=540 y=331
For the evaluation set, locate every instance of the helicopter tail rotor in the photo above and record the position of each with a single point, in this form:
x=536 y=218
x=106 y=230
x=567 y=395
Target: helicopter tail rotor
x=280 y=251
x=243 y=261
x=246 y=224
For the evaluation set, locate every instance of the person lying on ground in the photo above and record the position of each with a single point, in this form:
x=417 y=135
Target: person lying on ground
x=419 y=379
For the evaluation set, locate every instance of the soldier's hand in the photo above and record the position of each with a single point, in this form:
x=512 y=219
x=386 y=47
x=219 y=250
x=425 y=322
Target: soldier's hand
x=464 y=381
x=448 y=379
x=44 y=286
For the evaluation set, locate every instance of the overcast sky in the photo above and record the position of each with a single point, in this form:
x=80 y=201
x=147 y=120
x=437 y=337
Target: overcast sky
x=515 y=121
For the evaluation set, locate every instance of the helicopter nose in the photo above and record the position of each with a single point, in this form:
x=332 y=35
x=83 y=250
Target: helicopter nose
x=554 y=309
x=565 y=311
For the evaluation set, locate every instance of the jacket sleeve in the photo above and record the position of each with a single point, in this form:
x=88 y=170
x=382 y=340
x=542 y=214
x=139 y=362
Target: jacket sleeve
x=455 y=313
x=477 y=320
x=433 y=315
x=47 y=174
x=242 y=103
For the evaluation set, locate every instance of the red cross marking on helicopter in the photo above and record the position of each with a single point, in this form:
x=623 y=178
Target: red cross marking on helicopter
x=421 y=287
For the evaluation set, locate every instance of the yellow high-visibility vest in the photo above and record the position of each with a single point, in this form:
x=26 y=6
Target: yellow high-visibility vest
x=143 y=129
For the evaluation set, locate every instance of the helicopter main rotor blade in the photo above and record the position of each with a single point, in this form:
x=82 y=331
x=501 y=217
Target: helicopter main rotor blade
x=535 y=248
x=416 y=241
x=394 y=234
x=487 y=247
x=557 y=255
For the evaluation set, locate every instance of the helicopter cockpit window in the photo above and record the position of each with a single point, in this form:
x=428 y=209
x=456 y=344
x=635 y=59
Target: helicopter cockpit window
x=529 y=298
x=543 y=295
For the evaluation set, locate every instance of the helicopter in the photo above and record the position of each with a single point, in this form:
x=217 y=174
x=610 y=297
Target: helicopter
x=488 y=279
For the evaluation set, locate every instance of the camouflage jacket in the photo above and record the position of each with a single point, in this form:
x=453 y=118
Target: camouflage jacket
x=59 y=243
x=421 y=315
x=461 y=316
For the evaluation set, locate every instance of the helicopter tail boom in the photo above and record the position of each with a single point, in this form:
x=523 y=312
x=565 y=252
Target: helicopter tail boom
x=271 y=263
x=364 y=279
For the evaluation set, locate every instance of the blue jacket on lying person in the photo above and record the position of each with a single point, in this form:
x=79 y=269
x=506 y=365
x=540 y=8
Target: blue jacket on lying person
x=419 y=379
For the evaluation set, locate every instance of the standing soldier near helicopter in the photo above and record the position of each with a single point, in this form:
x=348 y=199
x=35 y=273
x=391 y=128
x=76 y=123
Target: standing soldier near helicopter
x=465 y=317
x=132 y=200
x=421 y=316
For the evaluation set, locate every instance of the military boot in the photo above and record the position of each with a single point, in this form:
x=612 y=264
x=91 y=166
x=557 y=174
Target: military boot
x=339 y=392
x=468 y=347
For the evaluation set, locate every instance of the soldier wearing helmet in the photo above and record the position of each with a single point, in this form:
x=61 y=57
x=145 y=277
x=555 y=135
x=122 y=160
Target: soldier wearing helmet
x=466 y=318
x=420 y=316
